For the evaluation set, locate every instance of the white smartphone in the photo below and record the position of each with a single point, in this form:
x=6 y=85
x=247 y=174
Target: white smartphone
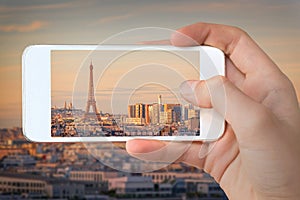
x=112 y=93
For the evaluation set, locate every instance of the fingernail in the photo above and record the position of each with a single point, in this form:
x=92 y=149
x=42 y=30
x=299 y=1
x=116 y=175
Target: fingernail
x=187 y=90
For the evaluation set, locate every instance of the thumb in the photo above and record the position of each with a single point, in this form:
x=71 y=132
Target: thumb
x=239 y=110
x=155 y=150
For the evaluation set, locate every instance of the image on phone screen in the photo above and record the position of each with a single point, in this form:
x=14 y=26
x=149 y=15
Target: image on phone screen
x=117 y=93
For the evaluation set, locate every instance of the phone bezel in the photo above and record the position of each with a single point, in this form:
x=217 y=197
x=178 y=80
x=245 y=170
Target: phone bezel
x=36 y=92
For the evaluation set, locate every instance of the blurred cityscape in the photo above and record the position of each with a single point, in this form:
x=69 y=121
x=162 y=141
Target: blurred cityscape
x=68 y=171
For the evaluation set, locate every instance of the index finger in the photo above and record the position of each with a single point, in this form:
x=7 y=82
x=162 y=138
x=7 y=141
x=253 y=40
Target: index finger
x=234 y=42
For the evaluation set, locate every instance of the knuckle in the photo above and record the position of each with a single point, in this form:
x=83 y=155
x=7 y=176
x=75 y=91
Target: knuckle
x=218 y=84
x=222 y=82
x=201 y=86
x=223 y=79
x=237 y=35
x=239 y=31
x=261 y=117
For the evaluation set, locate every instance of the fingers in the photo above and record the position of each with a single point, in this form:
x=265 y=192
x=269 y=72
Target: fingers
x=155 y=150
x=213 y=157
x=255 y=73
x=235 y=43
x=143 y=146
x=234 y=74
x=197 y=93
x=161 y=151
x=239 y=110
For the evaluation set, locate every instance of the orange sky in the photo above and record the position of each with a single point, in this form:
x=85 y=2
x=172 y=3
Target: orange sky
x=273 y=24
x=121 y=77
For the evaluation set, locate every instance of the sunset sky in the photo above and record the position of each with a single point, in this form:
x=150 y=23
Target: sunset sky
x=121 y=77
x=274 y=24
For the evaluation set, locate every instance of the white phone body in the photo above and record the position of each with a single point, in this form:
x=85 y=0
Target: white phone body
x=36 y=92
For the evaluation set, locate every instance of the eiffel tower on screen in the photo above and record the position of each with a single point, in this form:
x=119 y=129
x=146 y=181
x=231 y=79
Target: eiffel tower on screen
x=91 y=102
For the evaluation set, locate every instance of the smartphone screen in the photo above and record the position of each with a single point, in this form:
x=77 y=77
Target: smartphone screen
x=104 y=93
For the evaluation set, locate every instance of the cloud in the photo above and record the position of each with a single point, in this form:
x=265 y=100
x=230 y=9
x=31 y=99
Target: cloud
x=219 y=6
x=111 y=19
x=33 y=26
x=8 y=9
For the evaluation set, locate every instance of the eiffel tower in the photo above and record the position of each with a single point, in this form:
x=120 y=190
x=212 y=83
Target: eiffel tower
x=91 y=102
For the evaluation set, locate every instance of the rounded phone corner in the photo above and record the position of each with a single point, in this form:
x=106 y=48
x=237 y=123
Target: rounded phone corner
x=221 y=133
x=27 y=136
x=27 y=50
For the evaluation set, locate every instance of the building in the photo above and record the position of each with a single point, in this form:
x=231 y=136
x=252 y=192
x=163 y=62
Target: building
x=18 y=160
x=162 y=176
x=137 y=111
x=154 y=113
x=18 y=184
x=137 y=114
x=195 y=189
x=139 y=186
x=192 y=113
x=175 y=110
x=131 y=111
x=194 y=124
x=132 y=185
x=94 y=182
x=6 y=151
x=65 y=189
x=185 y=111
x=88 y=175
x=171 y=113
x=147 y=115
x=166 y=117
x=39 y=187
x=94 y=176
x=176 y=113
x=140 y=110
x=135 y=121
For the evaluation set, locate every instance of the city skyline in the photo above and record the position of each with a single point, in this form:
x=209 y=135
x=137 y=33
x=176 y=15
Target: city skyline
x=273 y=24
x=155 y=119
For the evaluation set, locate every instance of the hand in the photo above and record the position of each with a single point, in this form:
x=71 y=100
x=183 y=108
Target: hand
x=258 y=156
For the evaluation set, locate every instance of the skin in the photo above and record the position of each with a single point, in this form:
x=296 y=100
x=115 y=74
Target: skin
x=258 y=156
